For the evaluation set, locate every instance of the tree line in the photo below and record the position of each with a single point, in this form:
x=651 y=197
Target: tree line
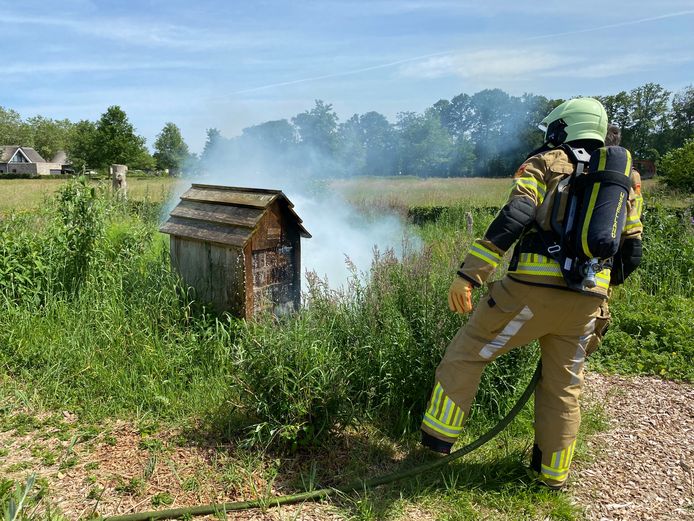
x=484 y=134
x=96 y=144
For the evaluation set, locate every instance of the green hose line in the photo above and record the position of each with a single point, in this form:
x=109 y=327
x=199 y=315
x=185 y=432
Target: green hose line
x=201 y=510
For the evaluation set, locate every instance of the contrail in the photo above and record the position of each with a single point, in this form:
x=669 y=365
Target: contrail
x=343 y=73
x=613 y=26
x=444 y=53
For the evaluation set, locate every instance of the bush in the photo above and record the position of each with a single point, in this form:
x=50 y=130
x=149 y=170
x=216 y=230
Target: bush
x=653 y=313
x=677 y=167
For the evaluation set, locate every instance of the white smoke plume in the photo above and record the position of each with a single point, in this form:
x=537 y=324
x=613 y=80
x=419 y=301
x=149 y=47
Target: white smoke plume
x=340 y=232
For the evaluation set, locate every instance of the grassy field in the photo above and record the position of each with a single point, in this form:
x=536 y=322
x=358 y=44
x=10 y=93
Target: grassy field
x=29 y=194
x=120 y=394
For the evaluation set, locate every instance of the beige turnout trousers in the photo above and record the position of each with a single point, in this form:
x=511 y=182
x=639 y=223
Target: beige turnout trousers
x=510 y=315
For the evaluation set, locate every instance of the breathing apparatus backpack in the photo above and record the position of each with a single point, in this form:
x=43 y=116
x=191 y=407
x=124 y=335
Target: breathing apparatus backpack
x=588 y=214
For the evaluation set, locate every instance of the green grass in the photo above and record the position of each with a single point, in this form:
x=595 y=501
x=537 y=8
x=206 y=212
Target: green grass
x=30 y=194
x=92 y=321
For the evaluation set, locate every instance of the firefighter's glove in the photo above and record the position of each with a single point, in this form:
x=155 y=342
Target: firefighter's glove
x=460 y=296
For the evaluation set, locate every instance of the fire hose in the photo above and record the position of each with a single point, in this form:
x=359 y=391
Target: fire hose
x=315 y=495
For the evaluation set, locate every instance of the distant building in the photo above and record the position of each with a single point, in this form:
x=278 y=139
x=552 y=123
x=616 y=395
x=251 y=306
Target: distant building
x=26 y=160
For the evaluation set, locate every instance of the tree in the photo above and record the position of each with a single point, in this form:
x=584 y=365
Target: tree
x=425 y=145
x=618 y=108
x=682 y=116
x=272 y=136
x=212 y=148
x=13 y=131
x=318 y=128
x=677 y=167
x=49 y=135
x=117 y=143
x=81 y=144
x=493 y=128
x=171 y=152
x=455 y=114
x=649 y=110
x=380 y=144
x=351 y=153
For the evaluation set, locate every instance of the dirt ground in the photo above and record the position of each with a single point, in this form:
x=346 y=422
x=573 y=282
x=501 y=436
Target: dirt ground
x=640 y=468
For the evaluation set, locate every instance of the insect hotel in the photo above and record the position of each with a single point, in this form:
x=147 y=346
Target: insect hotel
x=238 y=249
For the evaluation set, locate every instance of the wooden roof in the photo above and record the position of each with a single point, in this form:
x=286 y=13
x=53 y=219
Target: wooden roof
x=225 y=214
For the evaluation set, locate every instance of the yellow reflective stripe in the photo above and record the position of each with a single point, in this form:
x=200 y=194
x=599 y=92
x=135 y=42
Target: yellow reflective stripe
x=436 y=425
x=534 y=258
x=632 y=226
x=602 y=279
x=603 y=159
x=537 y=187
x=589 y=214
x=538 y=272
x=449 y=412
x=487 y=255
x=627 y=171
x=639 y=205
x=561 y=460
x=443 y=415
x=534 y=264
x=436 y=395
x=554 y=474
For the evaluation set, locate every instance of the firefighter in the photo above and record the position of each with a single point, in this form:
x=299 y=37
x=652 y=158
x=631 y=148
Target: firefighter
x=532 y=301
x=614 y=138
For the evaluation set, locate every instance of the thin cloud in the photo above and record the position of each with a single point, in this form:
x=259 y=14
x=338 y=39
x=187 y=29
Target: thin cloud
x=448 y=62
x=142 y=33
x=614 y=26
x=95 y=67
x=610 y=67
x=490 y=64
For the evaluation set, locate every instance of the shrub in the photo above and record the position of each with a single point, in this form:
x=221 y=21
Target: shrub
x=677 y=167
x=81 y=225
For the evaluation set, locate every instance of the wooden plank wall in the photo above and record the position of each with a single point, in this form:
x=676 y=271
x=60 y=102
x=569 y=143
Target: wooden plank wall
x=215 y=272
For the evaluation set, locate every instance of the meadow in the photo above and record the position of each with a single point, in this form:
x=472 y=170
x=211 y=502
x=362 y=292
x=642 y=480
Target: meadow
x=320 y=398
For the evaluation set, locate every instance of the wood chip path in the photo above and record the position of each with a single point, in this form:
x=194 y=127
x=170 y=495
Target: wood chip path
x=641 y=466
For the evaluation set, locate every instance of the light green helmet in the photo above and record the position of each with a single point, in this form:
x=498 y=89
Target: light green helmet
x=580 y=118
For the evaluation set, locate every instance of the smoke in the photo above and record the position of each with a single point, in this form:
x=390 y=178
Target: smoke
x=343 y=238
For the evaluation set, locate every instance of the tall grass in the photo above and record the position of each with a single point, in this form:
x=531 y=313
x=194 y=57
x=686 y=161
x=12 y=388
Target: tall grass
x=653 y=329
x=93 y=320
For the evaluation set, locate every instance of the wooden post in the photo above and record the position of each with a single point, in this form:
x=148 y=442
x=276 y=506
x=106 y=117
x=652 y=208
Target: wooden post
x=119 y=180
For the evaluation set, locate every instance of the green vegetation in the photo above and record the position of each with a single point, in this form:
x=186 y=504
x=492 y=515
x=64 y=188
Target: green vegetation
x=485 y=134
x=654 y=313
x=677 y=167
x=93 y=321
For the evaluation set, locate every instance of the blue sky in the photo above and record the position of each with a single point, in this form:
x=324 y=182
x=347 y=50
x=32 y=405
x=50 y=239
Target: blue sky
x=232 y=64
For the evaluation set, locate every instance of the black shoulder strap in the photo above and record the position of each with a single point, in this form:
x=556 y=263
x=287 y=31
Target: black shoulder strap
x=578 y=156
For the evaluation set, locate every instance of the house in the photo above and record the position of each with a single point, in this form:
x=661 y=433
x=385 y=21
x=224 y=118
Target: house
x=238 y=249
x=25 y=160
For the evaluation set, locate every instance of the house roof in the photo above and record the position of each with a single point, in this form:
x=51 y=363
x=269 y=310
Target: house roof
x=7 y=152
x=225 y=214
